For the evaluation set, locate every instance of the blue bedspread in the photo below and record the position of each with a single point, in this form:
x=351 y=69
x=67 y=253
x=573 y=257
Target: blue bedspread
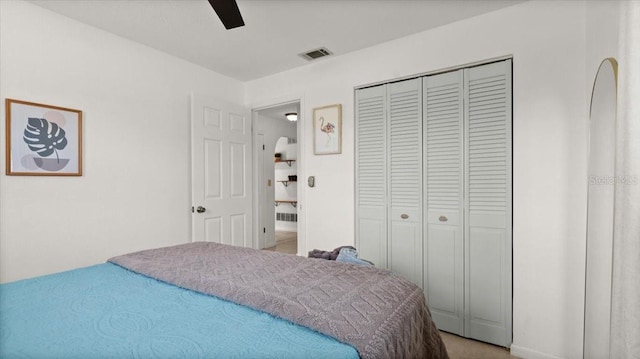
x=105 y=311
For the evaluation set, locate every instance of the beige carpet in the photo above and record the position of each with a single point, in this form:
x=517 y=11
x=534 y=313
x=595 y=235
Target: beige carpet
x=462 y=348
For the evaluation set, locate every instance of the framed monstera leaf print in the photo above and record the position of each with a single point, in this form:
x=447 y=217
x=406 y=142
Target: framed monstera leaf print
x=43 y=140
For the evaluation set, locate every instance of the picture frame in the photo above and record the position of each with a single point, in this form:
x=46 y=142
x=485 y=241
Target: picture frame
x=42 y=140
x=327 y=130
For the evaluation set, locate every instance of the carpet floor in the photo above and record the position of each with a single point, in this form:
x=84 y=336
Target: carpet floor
x=463 y=348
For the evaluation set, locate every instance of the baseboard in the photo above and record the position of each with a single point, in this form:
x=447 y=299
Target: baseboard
x=526 y=353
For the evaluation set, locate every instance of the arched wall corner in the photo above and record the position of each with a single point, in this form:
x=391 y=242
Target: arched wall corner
x=600 y=211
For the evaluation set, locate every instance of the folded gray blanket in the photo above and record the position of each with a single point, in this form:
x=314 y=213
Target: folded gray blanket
x=378 y=313
x=330 y=255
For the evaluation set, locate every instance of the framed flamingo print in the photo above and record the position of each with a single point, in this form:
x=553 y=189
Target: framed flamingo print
x=327 y=130
x=43 y=140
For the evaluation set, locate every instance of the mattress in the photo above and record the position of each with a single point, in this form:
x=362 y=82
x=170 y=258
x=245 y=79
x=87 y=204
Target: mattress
x=106 y=311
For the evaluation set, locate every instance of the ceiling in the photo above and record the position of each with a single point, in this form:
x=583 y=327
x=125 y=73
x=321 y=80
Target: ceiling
x=276 y=31
x=279 y=111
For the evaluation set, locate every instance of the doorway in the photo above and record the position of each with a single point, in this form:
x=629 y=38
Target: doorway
x=286 y=195
x=277 y=155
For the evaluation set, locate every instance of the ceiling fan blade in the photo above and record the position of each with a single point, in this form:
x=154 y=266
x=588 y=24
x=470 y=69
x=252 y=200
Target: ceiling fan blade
x=228 y=13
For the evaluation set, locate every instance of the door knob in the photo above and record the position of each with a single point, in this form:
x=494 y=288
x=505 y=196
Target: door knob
x=200 y=209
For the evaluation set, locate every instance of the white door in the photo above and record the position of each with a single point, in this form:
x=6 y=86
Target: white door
x=371 y=174
x=488 y=213
x=221 y=172
x=443 y=190
x=405 y=179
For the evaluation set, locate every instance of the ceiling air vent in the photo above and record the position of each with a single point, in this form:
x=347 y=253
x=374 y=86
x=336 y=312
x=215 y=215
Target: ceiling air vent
x=315 y=54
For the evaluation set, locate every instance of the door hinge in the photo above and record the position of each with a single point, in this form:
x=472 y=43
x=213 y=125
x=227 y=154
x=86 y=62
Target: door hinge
x=264 y=229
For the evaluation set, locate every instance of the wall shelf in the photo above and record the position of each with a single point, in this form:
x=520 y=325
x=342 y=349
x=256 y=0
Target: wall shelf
x=293 y=203
x=286 y=183
x=288 y=162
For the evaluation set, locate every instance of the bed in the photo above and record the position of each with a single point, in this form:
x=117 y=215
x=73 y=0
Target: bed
x=208 y=300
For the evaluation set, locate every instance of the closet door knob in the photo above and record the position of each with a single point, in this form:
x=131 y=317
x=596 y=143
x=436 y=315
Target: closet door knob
x=443 y=219
x=404 y=216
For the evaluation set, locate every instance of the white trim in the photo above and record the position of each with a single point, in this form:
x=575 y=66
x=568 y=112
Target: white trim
x=439 y=71
x=527 y=353
x=192 y=200
x=256 y=193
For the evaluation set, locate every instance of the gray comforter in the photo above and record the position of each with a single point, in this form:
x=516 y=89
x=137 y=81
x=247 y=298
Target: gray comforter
x=378 y=313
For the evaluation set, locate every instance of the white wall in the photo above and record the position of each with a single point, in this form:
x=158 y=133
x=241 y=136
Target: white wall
x=602 y=24
x=135 y=191
x=547 y=41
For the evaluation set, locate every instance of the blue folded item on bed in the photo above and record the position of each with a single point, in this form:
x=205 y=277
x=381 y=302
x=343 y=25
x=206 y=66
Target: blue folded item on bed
x=105 y=311
x=349 y=255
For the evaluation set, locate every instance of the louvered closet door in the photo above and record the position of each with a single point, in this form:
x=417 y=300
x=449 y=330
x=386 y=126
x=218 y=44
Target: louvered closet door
x=371 y=174
x=488 y=212
x=405 y=179
x=444 y=190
